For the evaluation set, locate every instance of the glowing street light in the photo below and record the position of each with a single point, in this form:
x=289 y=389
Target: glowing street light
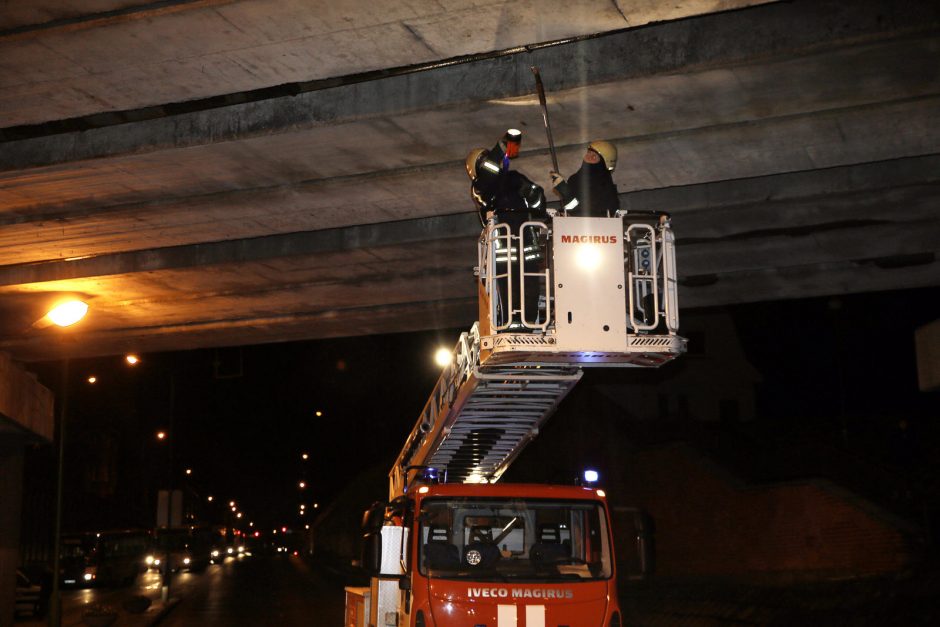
x=209 y=498
x=319 y=413
x=63 y=314
x=238 y=515
x=92 y=379
x=161 y=435
x=231 y=503
x=443 y=357
x=305 y=456
x=68 y=313
x=132 y=359
x=302 y=484
x=189 y=471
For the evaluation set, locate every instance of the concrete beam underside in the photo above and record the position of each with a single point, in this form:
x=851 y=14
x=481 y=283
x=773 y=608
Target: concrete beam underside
x=734 y=163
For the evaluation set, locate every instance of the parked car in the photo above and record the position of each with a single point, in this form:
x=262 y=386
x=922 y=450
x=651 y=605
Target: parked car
x=30 y=597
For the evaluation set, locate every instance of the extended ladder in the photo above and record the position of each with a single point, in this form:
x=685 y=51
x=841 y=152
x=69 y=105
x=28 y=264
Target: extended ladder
x=606 y=296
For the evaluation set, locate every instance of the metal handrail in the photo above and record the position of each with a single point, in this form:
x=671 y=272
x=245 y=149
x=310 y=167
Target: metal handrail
x=634 y=279
x=545 y=274
x=497 y=233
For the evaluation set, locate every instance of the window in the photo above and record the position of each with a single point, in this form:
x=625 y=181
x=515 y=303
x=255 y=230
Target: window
x=518 y=539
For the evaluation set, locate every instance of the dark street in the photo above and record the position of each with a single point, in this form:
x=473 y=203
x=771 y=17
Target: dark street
x=250 y=591
x=257 y=591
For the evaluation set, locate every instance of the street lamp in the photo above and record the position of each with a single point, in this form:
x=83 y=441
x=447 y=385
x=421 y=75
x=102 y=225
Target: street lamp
x=67 y=313
x=443 y=357
x=132 y=359
x=64 y=315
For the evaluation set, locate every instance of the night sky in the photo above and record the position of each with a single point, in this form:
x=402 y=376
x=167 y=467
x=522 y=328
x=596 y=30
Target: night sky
x=840 y=369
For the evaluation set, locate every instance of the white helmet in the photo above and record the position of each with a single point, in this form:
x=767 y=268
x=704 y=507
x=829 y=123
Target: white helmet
x=607 y=151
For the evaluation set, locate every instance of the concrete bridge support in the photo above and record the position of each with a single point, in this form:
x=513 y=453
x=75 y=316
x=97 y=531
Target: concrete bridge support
x=25 y=415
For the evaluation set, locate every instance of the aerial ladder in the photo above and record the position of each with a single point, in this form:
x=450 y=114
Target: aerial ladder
x=605 y=296
x=555 y=297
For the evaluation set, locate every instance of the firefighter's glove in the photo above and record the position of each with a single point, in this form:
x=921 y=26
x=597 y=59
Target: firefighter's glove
x=557 y=179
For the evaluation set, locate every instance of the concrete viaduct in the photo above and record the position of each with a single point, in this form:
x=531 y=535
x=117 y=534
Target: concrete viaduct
x=225 y=172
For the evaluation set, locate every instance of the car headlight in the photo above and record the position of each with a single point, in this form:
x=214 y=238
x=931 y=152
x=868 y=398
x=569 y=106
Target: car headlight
x=88 y=576
x=229 y=550
x=186 y=561
x=215 y=553
x=150 y=560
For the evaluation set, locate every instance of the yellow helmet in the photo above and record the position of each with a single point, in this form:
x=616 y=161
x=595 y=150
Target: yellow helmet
x=606 y=150
x=472 y=158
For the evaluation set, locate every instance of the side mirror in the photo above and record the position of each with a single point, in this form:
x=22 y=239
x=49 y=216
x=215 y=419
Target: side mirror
x=372 y=554
x=374 y=517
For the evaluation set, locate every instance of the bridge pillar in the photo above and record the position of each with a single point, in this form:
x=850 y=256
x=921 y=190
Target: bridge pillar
x=26 y=414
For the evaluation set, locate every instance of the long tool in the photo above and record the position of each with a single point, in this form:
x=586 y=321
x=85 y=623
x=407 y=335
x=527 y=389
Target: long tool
x=548 y=127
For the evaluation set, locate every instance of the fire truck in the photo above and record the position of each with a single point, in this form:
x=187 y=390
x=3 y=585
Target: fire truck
x=454 y=547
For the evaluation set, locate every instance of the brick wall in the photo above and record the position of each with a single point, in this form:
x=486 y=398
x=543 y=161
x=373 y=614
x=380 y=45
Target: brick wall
x=707 y=523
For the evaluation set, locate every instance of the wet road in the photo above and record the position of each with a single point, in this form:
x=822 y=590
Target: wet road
x=257 y=591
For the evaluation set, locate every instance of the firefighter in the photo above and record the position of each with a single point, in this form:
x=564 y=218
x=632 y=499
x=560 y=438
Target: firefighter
x=591 y=192
x=509 y=194
x=512 y=199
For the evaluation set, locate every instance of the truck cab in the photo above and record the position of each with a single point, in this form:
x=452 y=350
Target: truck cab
x=503 y=555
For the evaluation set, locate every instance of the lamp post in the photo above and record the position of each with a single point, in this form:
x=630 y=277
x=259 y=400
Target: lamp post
x=64 y=315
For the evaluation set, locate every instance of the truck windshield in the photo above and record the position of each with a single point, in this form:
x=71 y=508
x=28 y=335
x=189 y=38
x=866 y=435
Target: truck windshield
x=518 y=539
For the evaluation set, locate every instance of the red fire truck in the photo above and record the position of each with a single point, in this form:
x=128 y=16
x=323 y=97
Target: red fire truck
x=452 y=547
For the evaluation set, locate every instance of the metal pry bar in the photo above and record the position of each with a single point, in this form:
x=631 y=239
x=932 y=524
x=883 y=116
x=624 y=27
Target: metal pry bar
x=548 y=126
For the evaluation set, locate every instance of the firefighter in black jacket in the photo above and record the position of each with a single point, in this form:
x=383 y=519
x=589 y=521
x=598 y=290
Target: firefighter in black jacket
x=494 y=187
x=513 y=199
x=591 y=192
